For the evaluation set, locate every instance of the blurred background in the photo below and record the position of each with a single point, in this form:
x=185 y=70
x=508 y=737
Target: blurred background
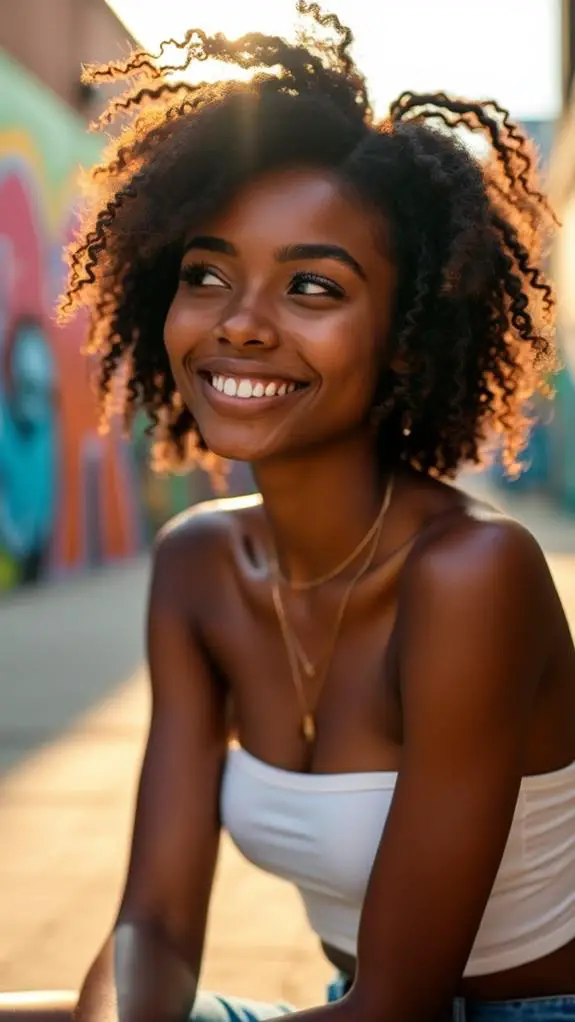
x=78 y=510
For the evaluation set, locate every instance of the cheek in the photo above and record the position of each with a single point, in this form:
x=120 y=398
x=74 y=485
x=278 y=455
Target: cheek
x=346 y=349
x=352 y=361
x=173 y=327
x=183 y=327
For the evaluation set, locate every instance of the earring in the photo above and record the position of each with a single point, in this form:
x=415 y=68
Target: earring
x=406 y=425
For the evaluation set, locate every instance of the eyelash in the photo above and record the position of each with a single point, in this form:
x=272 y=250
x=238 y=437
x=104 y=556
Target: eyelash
x=192 y=274
x=332 y=289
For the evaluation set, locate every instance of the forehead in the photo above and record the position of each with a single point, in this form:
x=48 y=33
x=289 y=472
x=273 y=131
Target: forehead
x=299 y=206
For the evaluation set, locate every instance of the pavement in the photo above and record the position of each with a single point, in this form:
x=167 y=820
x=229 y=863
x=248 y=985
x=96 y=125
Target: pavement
x=73 y=717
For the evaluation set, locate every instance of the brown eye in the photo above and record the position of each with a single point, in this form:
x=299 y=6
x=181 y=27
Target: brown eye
x=200 y=275
x=311 y=285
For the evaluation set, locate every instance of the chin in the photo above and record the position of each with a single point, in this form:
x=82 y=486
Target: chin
x=232 y=446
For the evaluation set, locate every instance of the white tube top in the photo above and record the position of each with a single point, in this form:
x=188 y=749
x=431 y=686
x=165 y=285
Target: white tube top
x=321 y=832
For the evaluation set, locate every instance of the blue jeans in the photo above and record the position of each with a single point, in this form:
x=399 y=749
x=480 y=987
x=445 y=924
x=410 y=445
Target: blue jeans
x=531 y=1009
x=221 y=1008
x=216 y=1008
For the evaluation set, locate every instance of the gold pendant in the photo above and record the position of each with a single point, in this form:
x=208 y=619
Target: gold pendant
x=308 y=727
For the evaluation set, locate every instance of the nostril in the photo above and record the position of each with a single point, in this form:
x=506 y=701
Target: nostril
x=251 y=342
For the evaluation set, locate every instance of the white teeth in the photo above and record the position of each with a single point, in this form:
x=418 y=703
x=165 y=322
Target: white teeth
x=244 y=388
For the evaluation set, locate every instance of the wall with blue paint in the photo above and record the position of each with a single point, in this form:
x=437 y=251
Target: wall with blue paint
x=542 y=458
x=69 y=498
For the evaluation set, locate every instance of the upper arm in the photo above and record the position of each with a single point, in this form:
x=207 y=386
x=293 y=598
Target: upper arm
x=470 y=656
x=176 y=830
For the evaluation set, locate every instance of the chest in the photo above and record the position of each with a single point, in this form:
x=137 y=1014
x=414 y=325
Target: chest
x=352 y=691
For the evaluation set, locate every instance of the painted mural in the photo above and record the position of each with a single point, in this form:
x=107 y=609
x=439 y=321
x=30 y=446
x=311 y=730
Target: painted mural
x=563 y=477
x=69 y=497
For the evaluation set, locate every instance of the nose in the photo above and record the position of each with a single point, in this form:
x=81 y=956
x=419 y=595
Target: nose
x=243 y=327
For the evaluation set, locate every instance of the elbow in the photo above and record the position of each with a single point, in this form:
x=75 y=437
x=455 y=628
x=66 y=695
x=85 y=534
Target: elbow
x=168 y=943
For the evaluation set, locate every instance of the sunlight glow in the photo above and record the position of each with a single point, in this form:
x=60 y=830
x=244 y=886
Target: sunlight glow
x=231 y=18
x=505 y=49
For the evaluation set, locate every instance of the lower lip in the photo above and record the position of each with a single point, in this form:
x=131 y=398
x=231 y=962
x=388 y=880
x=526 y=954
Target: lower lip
x=246 y=406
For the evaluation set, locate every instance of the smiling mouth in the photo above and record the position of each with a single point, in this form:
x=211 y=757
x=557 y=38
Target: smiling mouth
x=250 y=388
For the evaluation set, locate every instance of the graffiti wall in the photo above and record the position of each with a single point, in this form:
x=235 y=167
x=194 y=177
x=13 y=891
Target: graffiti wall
x=69 y=498
x=564 y=423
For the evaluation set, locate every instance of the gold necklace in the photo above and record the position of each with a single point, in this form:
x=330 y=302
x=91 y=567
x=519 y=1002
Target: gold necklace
x=307 y=665
x=320 y=580
x=288 y=634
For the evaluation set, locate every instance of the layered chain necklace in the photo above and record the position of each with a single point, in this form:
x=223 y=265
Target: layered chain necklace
x=299 y=662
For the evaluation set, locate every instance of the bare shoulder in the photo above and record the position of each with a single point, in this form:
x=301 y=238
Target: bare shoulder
x=204 y=523
x=474 y=555
x=194 y=544
x=477 y=601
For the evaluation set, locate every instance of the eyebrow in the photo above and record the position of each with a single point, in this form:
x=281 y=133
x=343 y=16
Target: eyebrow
x=290 y=253
x=285 y=254
x=211 y=244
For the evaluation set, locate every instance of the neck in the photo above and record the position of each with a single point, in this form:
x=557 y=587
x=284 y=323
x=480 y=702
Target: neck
x=321 y=504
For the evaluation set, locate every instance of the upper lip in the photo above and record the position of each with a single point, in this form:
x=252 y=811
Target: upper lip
x=247 y=369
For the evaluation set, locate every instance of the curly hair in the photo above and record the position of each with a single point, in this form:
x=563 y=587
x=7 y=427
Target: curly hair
x=472 y=333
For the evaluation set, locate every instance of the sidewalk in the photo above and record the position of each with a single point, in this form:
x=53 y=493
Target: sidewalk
x=73 y=714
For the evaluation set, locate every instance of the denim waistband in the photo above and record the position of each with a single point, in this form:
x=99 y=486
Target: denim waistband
x=530 y=1009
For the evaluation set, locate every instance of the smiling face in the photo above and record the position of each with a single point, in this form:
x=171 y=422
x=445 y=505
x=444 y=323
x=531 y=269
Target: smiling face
x=276 y=335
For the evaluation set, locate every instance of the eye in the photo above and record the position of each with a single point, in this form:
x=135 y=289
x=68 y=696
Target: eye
x=311 y=285
x=201 y=275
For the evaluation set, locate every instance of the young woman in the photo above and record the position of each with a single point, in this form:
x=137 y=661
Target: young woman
x=354 y=307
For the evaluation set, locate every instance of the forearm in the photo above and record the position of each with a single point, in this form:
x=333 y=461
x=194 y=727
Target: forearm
x=137 y=977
